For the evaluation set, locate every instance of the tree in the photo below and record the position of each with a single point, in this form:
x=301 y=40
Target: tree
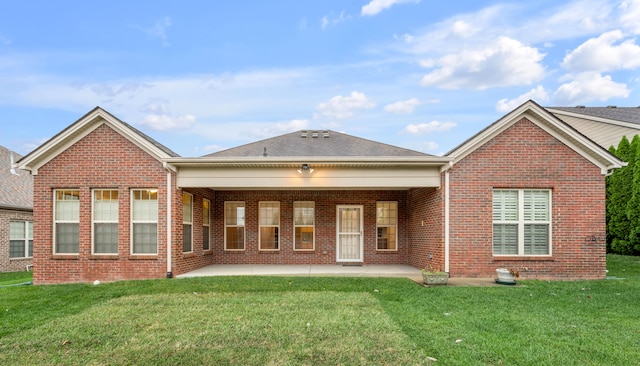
x=618 y=195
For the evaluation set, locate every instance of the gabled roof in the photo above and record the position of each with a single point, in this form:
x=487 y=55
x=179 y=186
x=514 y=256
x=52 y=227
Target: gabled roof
x=16 y=190
x=81 y=128
x=611 y=114
x=317 y=143
x=544 y=119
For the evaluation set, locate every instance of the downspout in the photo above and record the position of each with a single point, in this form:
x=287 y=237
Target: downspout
x=170 y=169
x=446 y=220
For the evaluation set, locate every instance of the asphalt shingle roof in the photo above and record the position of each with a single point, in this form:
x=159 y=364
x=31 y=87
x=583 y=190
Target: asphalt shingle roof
x=622 y=114
x=316 y=143
x=16 y=191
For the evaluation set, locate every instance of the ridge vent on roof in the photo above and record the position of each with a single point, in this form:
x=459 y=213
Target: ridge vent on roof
x=325 y=134
x=612 y=106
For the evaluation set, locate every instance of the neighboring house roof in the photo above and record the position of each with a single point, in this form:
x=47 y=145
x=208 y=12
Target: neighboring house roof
x=16 y=190
x=570 y=136
x=604 y=125
x=81 y=128
x=315 y=143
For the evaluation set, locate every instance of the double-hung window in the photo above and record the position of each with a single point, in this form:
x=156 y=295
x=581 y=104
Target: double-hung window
x=206 y=222
x=303 y=225
x=20 y=239
x=144 y=221
x=66 y=219
x=521 y=222
x=234 y=238
x=386 y=225
x=269 y=217
x=187 y=223
x=105 y=221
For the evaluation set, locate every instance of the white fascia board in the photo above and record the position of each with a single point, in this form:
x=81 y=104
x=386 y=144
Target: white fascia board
x=336 y=161
x=549 y=123
x=77 y=131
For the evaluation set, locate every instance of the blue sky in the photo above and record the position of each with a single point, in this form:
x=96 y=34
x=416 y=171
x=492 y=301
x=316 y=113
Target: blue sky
x=200 y=76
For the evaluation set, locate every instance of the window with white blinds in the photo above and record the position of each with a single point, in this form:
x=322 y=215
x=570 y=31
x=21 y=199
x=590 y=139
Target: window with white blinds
x=521 y=222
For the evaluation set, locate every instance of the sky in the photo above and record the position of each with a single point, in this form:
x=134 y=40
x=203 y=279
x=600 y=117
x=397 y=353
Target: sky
x=202 y=76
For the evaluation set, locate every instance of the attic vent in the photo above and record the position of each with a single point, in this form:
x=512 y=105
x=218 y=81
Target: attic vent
x=314 y=134
x=303 y=134
x=580 y=106
x=612 y=106
x=325 y=134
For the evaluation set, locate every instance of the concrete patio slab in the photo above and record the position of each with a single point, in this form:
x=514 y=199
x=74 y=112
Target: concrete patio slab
x=365 y=270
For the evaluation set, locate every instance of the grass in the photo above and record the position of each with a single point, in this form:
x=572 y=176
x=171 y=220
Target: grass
x=13 y=278
x=315 y=321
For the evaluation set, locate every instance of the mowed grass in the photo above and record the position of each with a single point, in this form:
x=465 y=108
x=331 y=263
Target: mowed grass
x=324 y=321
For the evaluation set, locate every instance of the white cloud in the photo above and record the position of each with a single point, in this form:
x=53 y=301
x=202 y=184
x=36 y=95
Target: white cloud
x=333 y=19
x=588 y=87
x=281 y=128
x=159 y=30
x=344 y=106
x=604 y=53
x=403 y=106
x=463 y=29
x=376 y=6
x=158 y=117
x=505 y=63
x=539 y=94
x=630 y=18
x=429 y=146
x=433 y=126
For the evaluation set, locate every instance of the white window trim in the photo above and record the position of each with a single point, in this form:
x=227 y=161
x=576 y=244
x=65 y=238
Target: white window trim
x=55 y=203
x=521 y=223
x=313 y=227
x=244 y=227
x=395 y=225
x=93 y=220
x=190 y=223
x=131 y=244
x=25 y=240
x=206 y=224
x=260 y=226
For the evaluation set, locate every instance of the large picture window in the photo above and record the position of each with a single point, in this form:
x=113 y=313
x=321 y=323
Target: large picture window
x=20 y=239
x=521 y=222
x=386 y=225
x=303 y=225
x=187 y=223
x=269 y=217
x=206 y=222
x=105 y=221
x=66 y=219
x=234 y=238
x=144 y=221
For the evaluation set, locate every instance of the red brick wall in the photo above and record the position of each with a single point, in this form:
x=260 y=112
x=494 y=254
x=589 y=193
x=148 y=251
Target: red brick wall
x=325 y=226
x=426 y=228
x=102 y=159
x=525 y=156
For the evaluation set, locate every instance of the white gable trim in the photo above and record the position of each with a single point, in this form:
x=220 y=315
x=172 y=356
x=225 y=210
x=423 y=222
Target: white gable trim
x=80 y=129
x=549 y=123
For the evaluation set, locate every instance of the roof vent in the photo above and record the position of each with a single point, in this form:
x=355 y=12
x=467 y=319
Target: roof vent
x=580 y=106
x=303 y=134
x=325 y=134
x=264 y=152
x=611 y=106
x=314 y=134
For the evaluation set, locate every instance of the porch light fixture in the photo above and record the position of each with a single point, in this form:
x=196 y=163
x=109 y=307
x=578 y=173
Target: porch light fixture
x=305 y=169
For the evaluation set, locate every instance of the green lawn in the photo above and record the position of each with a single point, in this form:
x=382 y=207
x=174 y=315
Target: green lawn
x=315 y=321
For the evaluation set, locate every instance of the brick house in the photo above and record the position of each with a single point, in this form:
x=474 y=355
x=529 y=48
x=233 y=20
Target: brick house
x=16 y=215
x=527 y=192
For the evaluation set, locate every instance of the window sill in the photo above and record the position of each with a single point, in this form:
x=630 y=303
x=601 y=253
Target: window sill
x=113 y=257
x=63 y=257
x=143 y=257
x=302 y=251
x=386 y=251
x=208 y=252
x=188 y=255
x=20 y=259
x=528 y=258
